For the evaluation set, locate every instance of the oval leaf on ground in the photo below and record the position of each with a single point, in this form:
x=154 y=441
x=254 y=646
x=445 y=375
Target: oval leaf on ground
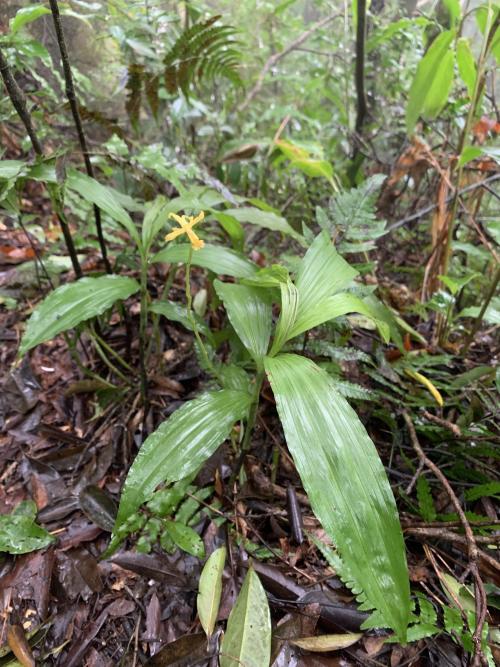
x=346 y=482
x=180 y=445
x=185 y=538
x=69 y=305
x=247 y=640
x=324 y=643
x=218 y=259
x=210 y=590
x=265 y=219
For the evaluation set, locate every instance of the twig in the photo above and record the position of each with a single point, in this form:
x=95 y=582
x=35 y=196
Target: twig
x=449 y=536
x=431 y=207
x=360 y=66
x=71 y=95
x=18 y=100
x=443 y=422
x=472 y=549
x=271 y=62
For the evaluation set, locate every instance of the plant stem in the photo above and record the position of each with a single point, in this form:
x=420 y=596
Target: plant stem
x=156 y=318
x=142 y=333
x=108 y=363
x=252 y=414
x=71 y=95
x=476 y=96
x=18 y=100
x=192 y=319
x=112 y=352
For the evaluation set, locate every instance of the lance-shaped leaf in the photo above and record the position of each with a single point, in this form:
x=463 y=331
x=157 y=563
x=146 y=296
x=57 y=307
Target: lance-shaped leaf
x=323 y=272
x=104 y=198
x=346 y=483
x=218 y=259
x=432 y=82
x=265 y=219
x=210 y=590
x=250 y=313
x=336 y=306
x=288 y=315
x=177 y=313
x=180 y=445
x=248 y=636
x=69 y=305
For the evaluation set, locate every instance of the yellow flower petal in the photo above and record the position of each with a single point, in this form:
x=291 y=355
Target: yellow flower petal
x=186 y=227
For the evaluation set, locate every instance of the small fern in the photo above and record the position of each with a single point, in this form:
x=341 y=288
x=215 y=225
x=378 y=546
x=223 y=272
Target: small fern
x=352 y=214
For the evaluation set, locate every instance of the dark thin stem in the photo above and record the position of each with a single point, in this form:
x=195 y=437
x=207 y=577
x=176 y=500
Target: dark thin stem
x=477 y=322
x=71 y=95
x=360 y=65
x=18 y=100
x=252 y=415
x=142 y=338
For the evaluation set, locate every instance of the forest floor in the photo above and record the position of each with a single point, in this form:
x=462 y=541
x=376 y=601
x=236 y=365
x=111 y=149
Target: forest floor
x=69 y=452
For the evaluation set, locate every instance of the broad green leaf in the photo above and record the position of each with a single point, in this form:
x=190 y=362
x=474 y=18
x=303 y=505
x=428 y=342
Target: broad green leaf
x=271 y=276
x=454 y=10
x=336 y=306
x=232 y=227
x=11 y=168
x=288 y=315
x=466 y=65
x=325 y=643
x=104 y=198
x=154 y=219
x=346 y=482
x=385 y=34
x=250 y=313
x=185 y=538
x=69 y=305
x=19 y=534
x=323 y=272
x=470 y=153
x=210 y=590
x=265 y=219
x=27 y=15
x=431 y=85
x=177 y=313
x=247 y=640
x=180 y=445
x=314 y=168
x=218 y=259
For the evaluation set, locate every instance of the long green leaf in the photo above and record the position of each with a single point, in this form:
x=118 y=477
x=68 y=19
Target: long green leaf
x=250 y=313
x=177 y=313
x=248 y=636
x=69 y=305
x=27 y=15
x=323 y=272
x=288 y=315
x=210 y=590
x=180 y=445
x=104 y=198
x=430 y=87
x=265 y=219
x=466 y=64
x=346 y=482
x=218 y=259
x=336 y=306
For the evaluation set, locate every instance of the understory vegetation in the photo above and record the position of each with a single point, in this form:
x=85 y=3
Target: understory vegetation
x=249 y=307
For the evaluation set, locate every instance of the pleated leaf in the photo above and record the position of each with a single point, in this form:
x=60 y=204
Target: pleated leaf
x=250 y=313
x=180 y=445
x=69 y=305
x=218 y=259
x=265 y=219
x=95 y=193
x=346 y=483
x=177 y=313
x=247 y=640
x=288 y=315
x=210 y=590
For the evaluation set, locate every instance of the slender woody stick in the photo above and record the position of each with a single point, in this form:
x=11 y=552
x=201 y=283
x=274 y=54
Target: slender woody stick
x=18 y=100
x=71 y=95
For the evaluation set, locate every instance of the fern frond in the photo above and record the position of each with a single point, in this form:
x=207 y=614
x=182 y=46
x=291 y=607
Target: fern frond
x=353 y=214
x=202 y=51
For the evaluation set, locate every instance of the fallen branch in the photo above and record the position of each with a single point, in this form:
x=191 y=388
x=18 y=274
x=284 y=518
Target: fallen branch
x=472 y=548
x=276 y=57
x=450 y=536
